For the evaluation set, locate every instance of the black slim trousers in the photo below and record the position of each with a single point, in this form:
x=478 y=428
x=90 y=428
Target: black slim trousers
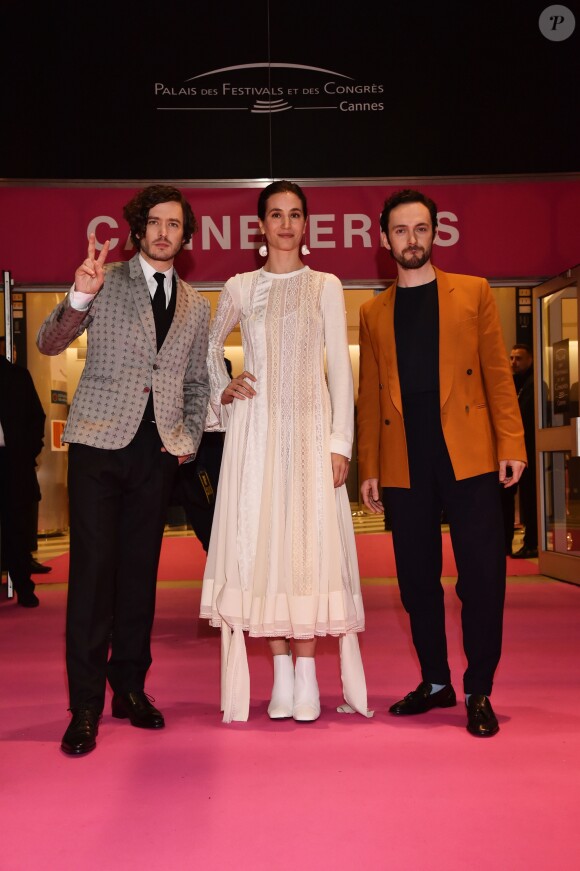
x=473 y=510
x=118 y=502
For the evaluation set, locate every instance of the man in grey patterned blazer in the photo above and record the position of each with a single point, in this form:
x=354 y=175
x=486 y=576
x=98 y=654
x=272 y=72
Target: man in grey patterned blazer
x=138 y=412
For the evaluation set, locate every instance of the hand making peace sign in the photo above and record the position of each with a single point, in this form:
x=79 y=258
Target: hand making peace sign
x=90 y=276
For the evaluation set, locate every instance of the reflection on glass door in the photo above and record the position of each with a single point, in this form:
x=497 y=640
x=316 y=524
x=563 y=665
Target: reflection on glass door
x=562 y=502
x=558 y=434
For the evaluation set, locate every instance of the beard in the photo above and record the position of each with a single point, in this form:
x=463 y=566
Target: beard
x=161 y=255
x=418 y=257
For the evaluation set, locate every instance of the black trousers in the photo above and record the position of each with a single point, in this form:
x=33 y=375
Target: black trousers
x=528 y=505
x=473 y=511
x=528 y=509
x=118 y=501
x=15 y=524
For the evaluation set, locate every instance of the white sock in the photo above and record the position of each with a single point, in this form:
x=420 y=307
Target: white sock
x=435 y=687
x=467 y=697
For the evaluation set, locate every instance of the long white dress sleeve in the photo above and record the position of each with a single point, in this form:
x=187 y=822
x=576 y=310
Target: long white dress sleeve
x=225 y=319
x=338 y=367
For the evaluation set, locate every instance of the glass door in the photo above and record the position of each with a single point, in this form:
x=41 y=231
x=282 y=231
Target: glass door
x=556 y=310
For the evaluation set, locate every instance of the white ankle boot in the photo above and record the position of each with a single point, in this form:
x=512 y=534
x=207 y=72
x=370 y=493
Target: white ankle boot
x=306 y=694
x=283 y=690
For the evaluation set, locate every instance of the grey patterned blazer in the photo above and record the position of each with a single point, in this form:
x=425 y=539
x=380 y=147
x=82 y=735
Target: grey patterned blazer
x=123 y=364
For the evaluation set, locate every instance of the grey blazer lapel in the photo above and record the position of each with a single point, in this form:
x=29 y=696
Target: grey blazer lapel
x=181 y=312
x=142 y=299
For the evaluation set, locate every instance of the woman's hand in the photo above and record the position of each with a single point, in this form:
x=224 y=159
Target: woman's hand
x=340 y=467
x=238 y=388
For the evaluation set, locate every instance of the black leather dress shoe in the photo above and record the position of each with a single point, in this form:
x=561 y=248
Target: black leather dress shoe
x=421 y=700
x=81 y=735
x=481 y=720
x=137 y=708
x=28 y=599
x=525 y=553
x=37 y=568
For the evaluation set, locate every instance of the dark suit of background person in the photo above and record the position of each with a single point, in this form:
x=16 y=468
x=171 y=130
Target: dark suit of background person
x=196 y=483
x=36 y=568
x=522 y=363
x=140 y=405
x=21 y=438
x=437 y=410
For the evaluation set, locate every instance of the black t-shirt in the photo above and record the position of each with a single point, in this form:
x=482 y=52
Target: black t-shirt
x=417 y=338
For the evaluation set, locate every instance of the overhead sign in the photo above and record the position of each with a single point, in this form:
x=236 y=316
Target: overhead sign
x=264 y=88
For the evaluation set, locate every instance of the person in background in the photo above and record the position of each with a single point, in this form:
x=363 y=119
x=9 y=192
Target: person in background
x=36 y=568
x=196 y=482
x=21 y=439
x=138 y=412
x=282 y=560
x=522 y=363
x=434 y=430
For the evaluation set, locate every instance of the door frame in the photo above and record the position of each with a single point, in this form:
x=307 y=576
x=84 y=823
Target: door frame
x=563 y=567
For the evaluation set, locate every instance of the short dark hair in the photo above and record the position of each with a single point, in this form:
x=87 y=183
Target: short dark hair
x=521 y=346
x=403 y=197
x=136 y=212
x=280 y=187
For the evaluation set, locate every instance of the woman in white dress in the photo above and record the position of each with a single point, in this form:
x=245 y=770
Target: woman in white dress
x=282 y=560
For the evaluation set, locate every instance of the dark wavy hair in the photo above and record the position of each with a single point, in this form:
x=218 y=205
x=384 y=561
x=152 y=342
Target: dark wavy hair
x=280 y=187
x=401 y=198
x=136 y=212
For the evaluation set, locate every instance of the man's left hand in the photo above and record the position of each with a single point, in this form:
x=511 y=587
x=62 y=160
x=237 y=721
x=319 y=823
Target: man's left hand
x=517 y=467
x=182 y=459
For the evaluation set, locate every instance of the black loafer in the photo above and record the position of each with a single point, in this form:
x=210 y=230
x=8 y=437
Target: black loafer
x=137 y=708
x=81 y=735
x=28 y=599
x=481 y=720
x=422 y=699
x=525 y=553
x=37 y=568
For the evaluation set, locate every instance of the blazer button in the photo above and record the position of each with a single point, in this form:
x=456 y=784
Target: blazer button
x=467 y=407
x=387 y=422
x=380 y=386
x=470 y=371
x=146 y=390
x=155 y=366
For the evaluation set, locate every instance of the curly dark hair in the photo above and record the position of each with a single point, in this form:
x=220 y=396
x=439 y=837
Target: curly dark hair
x=401 y=198
x=280 y=187
x=136 y=212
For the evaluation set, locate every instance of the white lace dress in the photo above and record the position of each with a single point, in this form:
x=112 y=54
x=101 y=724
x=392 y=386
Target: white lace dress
x=282 y=557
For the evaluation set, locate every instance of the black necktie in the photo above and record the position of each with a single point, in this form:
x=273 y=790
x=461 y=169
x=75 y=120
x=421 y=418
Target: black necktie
x=159 y=299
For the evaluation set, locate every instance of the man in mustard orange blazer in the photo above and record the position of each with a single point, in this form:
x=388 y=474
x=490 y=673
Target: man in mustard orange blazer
x=437 y=420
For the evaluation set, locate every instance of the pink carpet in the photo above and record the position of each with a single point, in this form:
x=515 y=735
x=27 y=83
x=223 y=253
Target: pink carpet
x=183 y=559
x=341 y=793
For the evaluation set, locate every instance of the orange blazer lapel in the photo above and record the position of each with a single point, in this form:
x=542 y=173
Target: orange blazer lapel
x=386 y=332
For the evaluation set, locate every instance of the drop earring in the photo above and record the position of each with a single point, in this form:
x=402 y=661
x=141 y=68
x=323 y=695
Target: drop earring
x=263 y=249
x=304 y=250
